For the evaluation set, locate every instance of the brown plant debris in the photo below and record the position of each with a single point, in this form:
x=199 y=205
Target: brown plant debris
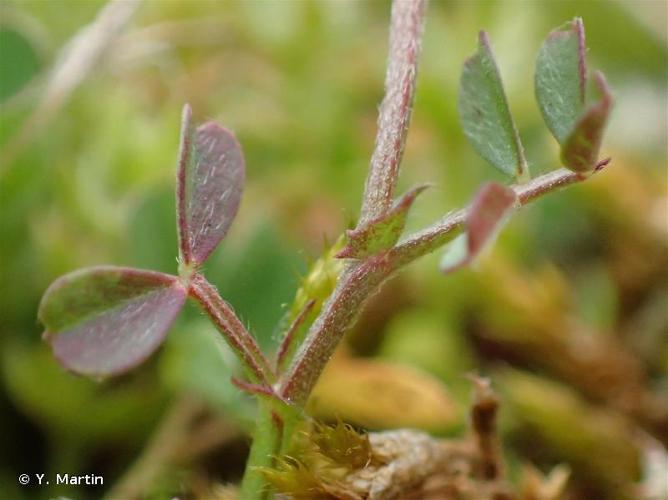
x=339 y=462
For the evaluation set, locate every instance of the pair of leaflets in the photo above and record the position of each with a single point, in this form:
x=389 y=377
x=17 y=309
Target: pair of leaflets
x=560 y=84
x=104 y=320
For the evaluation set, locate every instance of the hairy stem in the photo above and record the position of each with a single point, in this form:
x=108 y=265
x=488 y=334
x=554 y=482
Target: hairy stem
x=355 y=285
x=288 y=340
x=395 y=111
x=436 y=235
x=362 y=278
x=238 y=338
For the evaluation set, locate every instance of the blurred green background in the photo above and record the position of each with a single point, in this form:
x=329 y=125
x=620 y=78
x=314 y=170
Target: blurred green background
x=87 y=166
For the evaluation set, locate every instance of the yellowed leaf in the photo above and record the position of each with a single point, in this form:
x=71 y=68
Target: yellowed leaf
x=382 y=395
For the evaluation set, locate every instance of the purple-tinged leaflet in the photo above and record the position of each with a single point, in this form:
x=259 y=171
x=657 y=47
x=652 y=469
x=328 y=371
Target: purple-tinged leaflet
x=491 y=207
x=103 y=321
x=580 y=149
x=210 y=180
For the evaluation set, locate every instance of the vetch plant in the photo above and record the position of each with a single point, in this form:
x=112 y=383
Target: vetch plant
x=103 y=321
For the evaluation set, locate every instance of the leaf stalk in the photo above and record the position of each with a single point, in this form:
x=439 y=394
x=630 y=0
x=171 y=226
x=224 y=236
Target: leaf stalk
x=237 y=336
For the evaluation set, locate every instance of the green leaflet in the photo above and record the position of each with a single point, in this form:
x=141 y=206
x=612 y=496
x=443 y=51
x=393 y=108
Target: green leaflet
x=560 y=79
x=485 y=115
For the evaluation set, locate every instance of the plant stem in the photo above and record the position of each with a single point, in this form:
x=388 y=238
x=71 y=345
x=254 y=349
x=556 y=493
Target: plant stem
x=361 y=279
x=269 y=426
x=237 y=336
x=267 y=440
x=288 y=339
x=406 y=28
x=355 y=285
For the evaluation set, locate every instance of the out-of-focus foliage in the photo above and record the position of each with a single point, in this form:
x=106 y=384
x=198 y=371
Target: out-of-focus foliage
x=299 y=83
x=20 y=61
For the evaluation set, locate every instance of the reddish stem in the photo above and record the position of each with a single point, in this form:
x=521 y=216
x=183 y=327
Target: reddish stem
x=234 y=332
x=255 y=389
x=363 y=278
x=286 y=345
x=406 y=28
x=354 y=287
